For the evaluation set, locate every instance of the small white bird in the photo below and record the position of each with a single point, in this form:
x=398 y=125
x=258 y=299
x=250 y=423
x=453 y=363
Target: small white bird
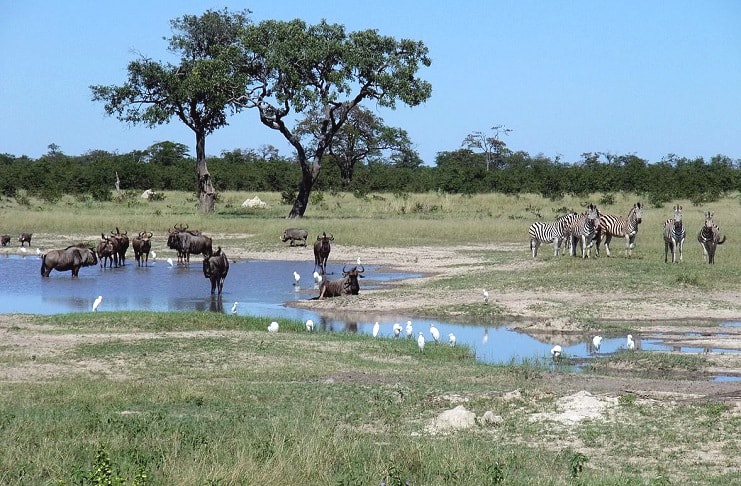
x=309 y=325
x=421 y=341
x=410 y=329
x=154 y=255
x=397 y=329
x=234 y=307
x=597 y=342
x=485 y=339
x=23 y=249
x=629 y=343
x=486 y=296
x=296 y=278
x=376 y=328
x=451 y=339
x=38 y=251
x=359 y=261
x=97 y=302
x=169 y=261
x=435 y=333
x=317 y=277
x=556 y=351
x=273 y=327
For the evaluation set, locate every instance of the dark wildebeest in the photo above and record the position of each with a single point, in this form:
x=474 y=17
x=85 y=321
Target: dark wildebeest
x=322 y=248
x=122 y=245
x=25 y=238
x=142 y=245
x=186 y=241
x=295 y=234
x=71 y=258
x=106 y=250
x=347 y=285
x=4 y=240
x=215 y=268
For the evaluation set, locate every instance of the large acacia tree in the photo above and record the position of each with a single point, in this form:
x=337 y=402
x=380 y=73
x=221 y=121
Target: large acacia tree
x=198 y=90
x=299 y=68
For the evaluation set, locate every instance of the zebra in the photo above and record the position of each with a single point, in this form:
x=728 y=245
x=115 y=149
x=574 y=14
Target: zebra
x=674 y=235
x=583 y=230
x=547 y=232
x=611 y=225
x=709 y=238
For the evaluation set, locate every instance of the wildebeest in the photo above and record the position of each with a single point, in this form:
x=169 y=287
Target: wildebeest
x=347 y=285
x=4 y=240
x=185 y=242
x=25 y=238
x=106 y=251
x=295 y=234
x=322 y=248
x=142 y=244
x=71 y=258
x=120 y=248
x=215 y=268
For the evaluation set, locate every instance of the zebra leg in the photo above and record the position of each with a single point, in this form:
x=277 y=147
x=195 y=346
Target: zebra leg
x=680 y=244
x=666 y=252
x=534 y=244
x=608 y=239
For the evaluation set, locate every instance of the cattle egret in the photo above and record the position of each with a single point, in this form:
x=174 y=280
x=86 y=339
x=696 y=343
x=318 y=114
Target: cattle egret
x=97 y=302
x=435 y=333
x=376 y=327
x=309 y=325
x=421 y=341
x=359 y=261
x=629 y=343
x=556 y=351
x=154 y=255
x=397 y=329
x=234 y=307
x=296 y=278
x=169 y=261
x=317 y=277
x=597 y=342
x=410 y=329
x=485 y=339
x=451 y=339
x=23 y=249
x=486 y=296
x=38 y=251
x=273 y=327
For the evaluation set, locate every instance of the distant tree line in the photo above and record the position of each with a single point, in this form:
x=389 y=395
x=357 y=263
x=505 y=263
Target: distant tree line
x=167 y=166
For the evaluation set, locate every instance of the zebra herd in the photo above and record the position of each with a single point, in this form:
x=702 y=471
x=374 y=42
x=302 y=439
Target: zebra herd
x=591 y=228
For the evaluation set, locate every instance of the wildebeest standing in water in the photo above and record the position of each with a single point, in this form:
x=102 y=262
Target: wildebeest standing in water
x=347 y=285
x=106 y=249
x=215 y=268
x=122 y=244
x=71 y=258
x=25 y=238
x=4 y=240
x=322 y=248
x=142 y=245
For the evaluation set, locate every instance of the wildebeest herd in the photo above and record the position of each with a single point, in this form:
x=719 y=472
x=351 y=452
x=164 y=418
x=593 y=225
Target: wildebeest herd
x=592 y=228
x=110 y=252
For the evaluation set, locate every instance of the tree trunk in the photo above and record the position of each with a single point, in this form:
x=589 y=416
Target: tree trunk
x=206 y=191
x=309 y=176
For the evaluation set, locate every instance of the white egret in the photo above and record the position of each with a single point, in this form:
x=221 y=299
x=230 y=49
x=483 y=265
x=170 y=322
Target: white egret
x=169 y=261
x=486 y=296
x=309 y=325
x=234 y=307
x=23 y=249
x=435 y=333
x=410 y=329
x=273 y=327
x=154 y=255
x=317 y=277
x=97 y=302
x=38 y=251
x=597 y=342
x=629 y=343
x=485 y=339
x=359 y=261
x=397 y=329
x=556 y=351
x=421 y=341
x=451 y=339
x=296 y=278
x=376 y=328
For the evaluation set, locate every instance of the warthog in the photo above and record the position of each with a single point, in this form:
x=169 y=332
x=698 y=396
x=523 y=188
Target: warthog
x=295 y=234
x=4 y=240
x=215 y=268
x=322 y=248
x=347 y=285
x=142 y=244
x=25 y=238
x=71 y=258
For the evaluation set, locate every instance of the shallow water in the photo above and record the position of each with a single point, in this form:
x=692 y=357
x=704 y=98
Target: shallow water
x=262 y=289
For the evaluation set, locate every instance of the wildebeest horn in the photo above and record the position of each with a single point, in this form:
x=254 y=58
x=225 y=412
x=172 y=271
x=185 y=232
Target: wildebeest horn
x=331 y=236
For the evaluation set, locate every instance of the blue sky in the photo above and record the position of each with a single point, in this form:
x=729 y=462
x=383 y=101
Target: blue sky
x=640 y=77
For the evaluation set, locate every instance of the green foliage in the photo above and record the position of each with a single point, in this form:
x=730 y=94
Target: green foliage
x=576 y=464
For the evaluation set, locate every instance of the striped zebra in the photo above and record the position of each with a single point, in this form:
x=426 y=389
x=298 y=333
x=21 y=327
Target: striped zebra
x=549 y=232
x=674 y=235
x=583 y=231
x=709 y=238
x=611 y=225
